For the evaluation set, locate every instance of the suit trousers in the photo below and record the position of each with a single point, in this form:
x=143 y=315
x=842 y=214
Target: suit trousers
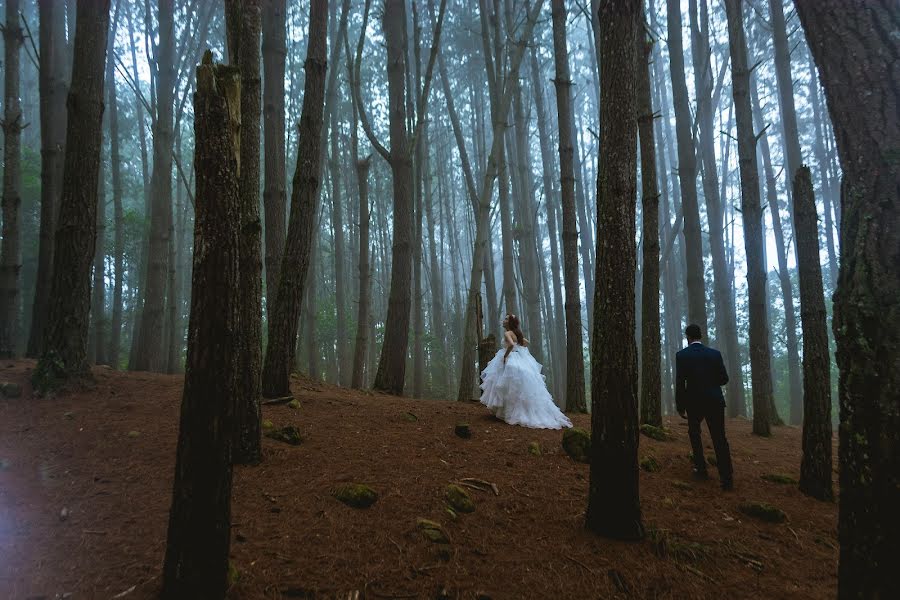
x=715 y=421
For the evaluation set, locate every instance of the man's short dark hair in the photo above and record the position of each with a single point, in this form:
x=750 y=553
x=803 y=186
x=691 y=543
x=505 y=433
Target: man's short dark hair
x=693 y=332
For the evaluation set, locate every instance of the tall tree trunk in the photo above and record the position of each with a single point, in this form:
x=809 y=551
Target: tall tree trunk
x=857 y=59
x=793 y=159
x=285 y=312
x=150 y=355
x=337 y=224
x=760 y=361
x=138 y=308
x=11 y=250
x=115 y=165
x=726 y=322
x=390 y=377
x=482 y=215
x=651 y=384
x=199 y=531
x=828 y=184
x=575 y=394
x=65 y=344
x=551 y=199
x=96 y=340
x=777 y=227
x=815 y=468
x=614 y=508
x=243 y=26
x=53 y=90
x=274 y=54
x=687 y=171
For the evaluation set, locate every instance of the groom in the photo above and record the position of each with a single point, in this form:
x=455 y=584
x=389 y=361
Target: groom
x=699 y=374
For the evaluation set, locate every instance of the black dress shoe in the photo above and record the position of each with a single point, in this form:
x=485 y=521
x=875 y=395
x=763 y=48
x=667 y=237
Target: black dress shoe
x=700 y=474
x=727 y=485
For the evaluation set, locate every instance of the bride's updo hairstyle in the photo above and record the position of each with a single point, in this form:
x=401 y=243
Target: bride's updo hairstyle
x=512 y=323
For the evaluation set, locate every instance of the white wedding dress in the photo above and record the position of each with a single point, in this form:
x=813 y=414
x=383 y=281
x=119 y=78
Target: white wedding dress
x=516 y=391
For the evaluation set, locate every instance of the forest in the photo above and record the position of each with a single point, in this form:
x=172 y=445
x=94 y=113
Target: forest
x=258 y=254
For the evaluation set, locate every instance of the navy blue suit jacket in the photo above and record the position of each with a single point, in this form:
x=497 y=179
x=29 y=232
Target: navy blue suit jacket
x=699 y=376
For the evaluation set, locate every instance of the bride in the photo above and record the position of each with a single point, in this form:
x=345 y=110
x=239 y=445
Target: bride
x=513 y=387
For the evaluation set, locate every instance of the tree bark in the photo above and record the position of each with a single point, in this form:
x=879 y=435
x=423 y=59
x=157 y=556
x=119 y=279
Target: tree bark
x=115 y=165
x=552 y=201
x=575 y=393
x=150 y=355
x=65 y=345
x=725 y=320
x=138 y=308
x=687 y=171
x=828 y=186
x=295 y=264
x=614 y=508
x=199 y=531
x=815 y=468
x=274 y=55
x=760 y=360
x=53 y=91
x=243 y=25
x=857 y=57
x=390 y=377
x=793 y=158
x=11 y=248
x=651 y=383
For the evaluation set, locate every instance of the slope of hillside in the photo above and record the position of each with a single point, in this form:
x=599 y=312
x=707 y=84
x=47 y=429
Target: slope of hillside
x=85 y=485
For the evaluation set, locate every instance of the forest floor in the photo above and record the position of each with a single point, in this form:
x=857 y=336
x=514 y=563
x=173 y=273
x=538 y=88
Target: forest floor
x=86 y=482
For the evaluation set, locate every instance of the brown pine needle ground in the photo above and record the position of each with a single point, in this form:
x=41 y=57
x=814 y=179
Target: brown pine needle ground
x=85 y=486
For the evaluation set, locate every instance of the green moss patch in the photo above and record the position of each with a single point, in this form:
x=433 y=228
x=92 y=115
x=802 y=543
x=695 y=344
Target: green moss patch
x=577 y=444
x=294 y=404
x=650 y=464
x=357 y=495
x=459 y=499
x=289 y=435
x=668 y=545
x=657 y=433
x=433 y=531
x=534 y=449
x=763 y=512
x=779 y=478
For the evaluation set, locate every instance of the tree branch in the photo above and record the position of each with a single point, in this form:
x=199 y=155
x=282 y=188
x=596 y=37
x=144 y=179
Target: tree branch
x=356 y=86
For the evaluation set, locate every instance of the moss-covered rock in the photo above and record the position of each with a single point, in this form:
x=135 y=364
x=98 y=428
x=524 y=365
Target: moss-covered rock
x=763 y=512
x=409 y=417
x=650 y=464
x=134 y=434
x=534 y=449
x=779 y=478
x=657 y=433
x=267 y=424
x=357 y=495
x=294 y=404
x=433 y=531
x=577 y=444
x=289 y=435
x=463 y=430
x=10 y=390
x=459 y=499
